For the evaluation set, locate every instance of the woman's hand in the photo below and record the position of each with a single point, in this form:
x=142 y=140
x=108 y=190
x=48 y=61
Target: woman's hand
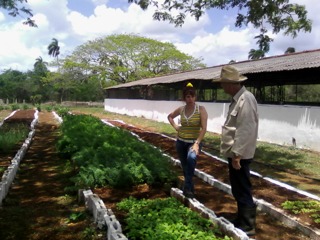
x=195 y=147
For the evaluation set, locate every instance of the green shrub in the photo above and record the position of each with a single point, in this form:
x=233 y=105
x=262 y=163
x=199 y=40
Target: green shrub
x=14 y=106
x=48 y=108
x=25 y=106
x=61 y=111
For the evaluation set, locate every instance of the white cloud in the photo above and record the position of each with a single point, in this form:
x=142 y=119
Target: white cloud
x=220 y=48
x=213 y=39
x=2 y=17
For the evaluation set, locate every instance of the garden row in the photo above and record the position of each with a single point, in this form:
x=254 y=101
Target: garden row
x=106 y=156
x=10 y=136
x=264 y=206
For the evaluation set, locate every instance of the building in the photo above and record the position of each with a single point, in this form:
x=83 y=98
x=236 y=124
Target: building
x=283 y=117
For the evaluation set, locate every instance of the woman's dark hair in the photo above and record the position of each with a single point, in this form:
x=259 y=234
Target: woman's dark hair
x=188 y=90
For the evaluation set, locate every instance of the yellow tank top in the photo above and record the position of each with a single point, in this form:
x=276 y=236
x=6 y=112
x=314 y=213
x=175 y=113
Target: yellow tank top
x=190 y=126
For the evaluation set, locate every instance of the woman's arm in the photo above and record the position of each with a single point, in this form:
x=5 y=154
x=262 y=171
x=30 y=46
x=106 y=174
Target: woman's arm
x=204 y=120
x=172 y=116
x=203 y=130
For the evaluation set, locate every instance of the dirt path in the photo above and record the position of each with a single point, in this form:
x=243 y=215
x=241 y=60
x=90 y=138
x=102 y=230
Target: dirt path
x=37 y=206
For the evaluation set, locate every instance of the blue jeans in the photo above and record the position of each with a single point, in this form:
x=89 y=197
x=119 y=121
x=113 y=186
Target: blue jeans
x=241 y=184
x=188 y=159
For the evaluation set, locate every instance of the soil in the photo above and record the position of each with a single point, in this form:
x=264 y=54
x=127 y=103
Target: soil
x=31 y=200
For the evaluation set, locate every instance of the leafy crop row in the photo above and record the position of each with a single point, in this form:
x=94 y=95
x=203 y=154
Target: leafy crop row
x=310 y=207
x=165 y=219
x=107 y=156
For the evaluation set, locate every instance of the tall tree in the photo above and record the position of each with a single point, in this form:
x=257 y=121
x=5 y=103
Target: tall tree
x=54 y=48
x=280 y=15
x=40 y=63
x=255 y=54
x=290 y=50
x=14 y=86
x=14 y=10
x=124 y=58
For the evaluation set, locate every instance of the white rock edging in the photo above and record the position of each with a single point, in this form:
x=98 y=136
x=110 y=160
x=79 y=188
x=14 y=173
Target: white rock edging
x=102 y=216
x=224 y=225
x=9 y=174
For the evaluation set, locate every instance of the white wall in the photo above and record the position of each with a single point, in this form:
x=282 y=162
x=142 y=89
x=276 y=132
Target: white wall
x=277 y=124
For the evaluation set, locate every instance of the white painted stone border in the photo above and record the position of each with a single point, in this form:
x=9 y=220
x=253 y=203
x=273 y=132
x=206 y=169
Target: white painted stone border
x=9 y=174
x=224 y=225
x=101 y=215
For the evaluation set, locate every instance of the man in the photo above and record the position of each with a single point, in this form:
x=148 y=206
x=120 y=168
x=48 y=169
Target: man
x=238 y=144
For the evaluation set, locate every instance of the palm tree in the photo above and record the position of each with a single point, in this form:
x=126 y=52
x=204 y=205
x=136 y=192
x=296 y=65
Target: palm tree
x=39 y=62
x=290 y=50
x=256 y=54
x=54 y=49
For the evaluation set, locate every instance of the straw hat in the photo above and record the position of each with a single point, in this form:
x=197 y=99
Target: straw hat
x=229 y=74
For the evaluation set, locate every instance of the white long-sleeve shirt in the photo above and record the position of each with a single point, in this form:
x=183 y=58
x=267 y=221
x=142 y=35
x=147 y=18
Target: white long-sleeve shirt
x=240 y=130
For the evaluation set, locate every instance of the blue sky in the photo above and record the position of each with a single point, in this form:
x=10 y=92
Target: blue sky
x=73 y=22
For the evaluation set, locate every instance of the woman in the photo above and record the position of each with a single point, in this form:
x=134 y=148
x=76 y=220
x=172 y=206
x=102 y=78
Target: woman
x=193 y=127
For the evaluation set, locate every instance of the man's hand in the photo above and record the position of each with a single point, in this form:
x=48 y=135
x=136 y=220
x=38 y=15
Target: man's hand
x=236 y=162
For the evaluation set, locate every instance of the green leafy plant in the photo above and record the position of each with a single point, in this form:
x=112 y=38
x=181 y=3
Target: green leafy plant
x=297 y=207
x=88 y=233
x=165 y=219
x=76 y=217
x=101 y=157
x=2 y=169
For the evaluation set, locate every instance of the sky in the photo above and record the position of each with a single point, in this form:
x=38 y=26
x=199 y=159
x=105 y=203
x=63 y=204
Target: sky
x=213 y=38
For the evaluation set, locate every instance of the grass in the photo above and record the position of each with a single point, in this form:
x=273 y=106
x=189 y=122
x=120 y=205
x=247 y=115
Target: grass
x=304 y=162
x=12 y=134
x=4 y=114
x=270 y=159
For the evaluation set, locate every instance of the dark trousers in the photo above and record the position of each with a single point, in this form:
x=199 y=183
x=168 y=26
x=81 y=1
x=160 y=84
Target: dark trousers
x=188 y=159
x=240 y=183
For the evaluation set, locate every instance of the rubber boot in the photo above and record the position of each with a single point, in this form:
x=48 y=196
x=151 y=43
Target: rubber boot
x=247 y=221
x=236 y=220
